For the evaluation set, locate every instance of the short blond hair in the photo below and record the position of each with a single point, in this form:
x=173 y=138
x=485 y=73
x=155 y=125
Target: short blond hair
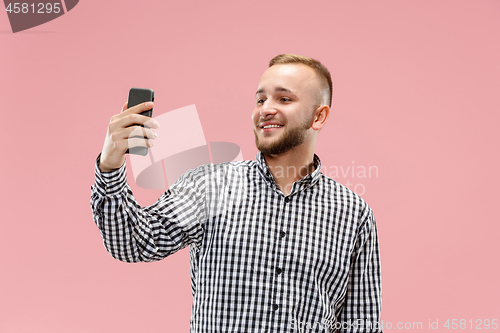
x=319 y=68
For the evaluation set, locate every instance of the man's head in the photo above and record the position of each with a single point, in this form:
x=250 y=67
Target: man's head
x=292 y=104
x=323 y=74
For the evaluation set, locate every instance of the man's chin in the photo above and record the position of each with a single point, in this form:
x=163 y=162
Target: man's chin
x=272 y=149
x=281 y=144
x=268 y=147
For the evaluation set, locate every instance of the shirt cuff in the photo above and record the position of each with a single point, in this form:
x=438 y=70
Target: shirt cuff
x=111 y=182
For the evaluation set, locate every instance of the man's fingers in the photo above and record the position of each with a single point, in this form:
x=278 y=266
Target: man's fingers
x=151 y=123
x=125 y=131
x=134 y=136
x=140 y=131
x=124 y=121
x=132 y=116
x=140 y=107
x=132 y=132
x=138 y=142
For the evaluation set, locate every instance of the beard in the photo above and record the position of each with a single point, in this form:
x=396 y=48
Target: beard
x=290 y=138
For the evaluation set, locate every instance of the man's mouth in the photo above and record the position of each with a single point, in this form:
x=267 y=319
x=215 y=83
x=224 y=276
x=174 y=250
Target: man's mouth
x=267 y=126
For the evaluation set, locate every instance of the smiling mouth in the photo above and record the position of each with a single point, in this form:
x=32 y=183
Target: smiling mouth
x=271 y=126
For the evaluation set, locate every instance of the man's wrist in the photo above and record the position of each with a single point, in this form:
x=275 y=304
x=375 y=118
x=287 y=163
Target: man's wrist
x=104 y=167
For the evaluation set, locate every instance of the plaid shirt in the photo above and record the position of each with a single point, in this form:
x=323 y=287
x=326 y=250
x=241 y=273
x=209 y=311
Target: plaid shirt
x=260 y=261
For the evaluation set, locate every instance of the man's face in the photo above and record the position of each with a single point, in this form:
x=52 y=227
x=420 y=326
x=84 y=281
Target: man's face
x=286 y=99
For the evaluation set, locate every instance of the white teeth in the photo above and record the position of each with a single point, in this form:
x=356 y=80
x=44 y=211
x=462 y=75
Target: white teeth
x=270 y=126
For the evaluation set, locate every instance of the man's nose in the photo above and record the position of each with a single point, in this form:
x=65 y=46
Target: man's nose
x=268 y=109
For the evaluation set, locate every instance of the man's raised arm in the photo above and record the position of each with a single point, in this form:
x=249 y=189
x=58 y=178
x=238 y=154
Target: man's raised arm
x=132 y=233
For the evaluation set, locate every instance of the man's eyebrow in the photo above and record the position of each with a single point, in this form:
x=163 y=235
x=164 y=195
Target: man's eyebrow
x=261 y=90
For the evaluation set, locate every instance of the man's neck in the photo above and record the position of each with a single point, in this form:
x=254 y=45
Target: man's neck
x=290 y=167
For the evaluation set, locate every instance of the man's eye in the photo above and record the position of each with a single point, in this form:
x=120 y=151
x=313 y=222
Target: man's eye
x=260 y=101
x=285 y=99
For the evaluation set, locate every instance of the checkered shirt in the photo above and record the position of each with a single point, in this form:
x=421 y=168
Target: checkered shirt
x=261 y=261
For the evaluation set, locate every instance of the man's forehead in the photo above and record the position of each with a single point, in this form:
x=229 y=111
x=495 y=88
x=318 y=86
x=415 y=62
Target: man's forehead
x=286 y=77
x=261 y=90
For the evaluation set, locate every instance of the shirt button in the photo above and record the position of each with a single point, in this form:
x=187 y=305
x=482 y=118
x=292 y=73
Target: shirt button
x=275 y=307
x=278 y=271
x=287 y=199
x=282 y=234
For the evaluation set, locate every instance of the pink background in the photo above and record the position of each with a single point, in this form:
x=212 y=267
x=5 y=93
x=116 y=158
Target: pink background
x=416 y=96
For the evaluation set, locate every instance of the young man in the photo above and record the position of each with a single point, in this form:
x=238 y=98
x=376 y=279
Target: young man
x=275 y=245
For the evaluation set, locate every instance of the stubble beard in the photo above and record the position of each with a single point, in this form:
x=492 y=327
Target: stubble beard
x=291 y=138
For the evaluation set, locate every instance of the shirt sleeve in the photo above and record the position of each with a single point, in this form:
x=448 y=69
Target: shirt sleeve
x=361 y=311
x=132 y=233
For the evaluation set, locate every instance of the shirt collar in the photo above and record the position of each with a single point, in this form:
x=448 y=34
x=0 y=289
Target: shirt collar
x=310 y=179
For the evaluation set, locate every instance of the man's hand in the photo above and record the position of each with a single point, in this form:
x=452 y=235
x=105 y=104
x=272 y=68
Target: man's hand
x=120 y=136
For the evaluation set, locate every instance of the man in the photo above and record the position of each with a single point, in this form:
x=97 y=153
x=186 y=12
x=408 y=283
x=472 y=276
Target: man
x=275 y=245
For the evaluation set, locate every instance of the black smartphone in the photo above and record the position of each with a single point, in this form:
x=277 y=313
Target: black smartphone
x=138 y=96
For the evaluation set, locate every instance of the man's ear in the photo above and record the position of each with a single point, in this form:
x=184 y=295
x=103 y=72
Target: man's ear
x=320 y=117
